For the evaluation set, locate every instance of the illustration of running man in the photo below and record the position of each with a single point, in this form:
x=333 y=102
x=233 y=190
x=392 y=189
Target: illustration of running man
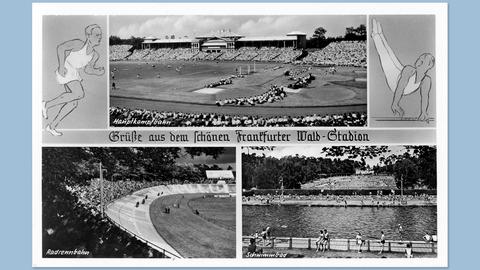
x=73 y=55
x=404 y=80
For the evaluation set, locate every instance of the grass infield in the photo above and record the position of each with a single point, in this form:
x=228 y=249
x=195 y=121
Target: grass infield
x=211 y=234
x=176 y=89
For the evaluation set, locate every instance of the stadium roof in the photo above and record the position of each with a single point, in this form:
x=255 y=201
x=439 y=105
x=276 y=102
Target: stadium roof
x=222 y=40
x=296 y=33
x=218 y=174
x=210 y=44
x=268 y=38
x=176 y=40
x=221 y=33
x=214 y=42
x=150 y=37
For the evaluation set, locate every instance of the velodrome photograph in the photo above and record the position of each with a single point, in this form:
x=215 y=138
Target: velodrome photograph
x=138 y=202
x=310 y=201
x=238 y=71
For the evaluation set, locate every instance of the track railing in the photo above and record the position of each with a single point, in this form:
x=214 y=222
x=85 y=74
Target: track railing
x=165 y=252
x=343 y=244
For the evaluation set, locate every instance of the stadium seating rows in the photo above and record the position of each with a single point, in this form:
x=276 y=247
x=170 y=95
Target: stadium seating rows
x=353 y=182
x=343 y=53
x=124 y=117
x=119 y=52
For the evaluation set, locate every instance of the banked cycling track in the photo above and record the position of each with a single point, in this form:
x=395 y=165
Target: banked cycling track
x=137 y=221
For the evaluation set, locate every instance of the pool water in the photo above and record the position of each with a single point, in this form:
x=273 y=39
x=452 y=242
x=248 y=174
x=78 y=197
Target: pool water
x=341 y=222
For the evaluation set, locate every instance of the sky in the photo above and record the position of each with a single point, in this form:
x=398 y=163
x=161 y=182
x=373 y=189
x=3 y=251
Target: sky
x=223 y=160
x=191 y=25
x=316 y=151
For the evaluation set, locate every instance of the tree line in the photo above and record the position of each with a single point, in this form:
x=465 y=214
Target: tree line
x=80 y=164
x=415 y=167
x=317 y=40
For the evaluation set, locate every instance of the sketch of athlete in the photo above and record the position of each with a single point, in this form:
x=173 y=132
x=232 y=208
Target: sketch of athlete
x=73 y=55
x=404 y=80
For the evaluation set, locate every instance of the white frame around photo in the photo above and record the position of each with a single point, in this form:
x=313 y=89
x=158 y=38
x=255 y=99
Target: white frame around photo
x=441 y=141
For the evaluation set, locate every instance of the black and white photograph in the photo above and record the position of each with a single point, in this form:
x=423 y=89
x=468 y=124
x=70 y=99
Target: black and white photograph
x=402 y=71
x=75 y=91
x=238 y=71
x=138 y=202
x=239 y=135
x=339 y=201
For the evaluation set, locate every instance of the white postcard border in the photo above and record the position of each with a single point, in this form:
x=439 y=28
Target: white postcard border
x=440 y=10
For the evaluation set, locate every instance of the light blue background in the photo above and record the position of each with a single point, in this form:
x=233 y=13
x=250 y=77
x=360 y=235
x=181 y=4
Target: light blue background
x=15 y=224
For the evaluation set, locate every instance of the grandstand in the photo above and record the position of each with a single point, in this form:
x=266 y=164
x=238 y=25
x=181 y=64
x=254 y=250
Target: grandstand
x=364 y=182
x=228 y=46
x=343 y=53
x=224 y=40
x=119 y=52
x=275 y=79
x=132 y=213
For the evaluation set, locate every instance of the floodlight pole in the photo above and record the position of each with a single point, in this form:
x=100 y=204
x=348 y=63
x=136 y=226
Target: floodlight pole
x=401 y=186
x=281 y=187
x=101 y=190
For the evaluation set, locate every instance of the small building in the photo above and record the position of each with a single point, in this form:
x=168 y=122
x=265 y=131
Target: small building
x=226 y=176
x=166 y=43
x=218 y=45
x=296 y=40
x=301 y=37
x=227 y=40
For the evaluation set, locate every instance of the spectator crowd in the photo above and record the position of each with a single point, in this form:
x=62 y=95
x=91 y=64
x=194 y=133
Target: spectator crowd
x=90 y=194
x=119 y=52
x=391 y=199
x=275 y=93
x=301 y=82
x=72 y=221
x=223 y=81
x=125 y=117
x=343 y=53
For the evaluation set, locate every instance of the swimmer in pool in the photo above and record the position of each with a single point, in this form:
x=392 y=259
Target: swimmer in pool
x=404 y=80
x=73 y=55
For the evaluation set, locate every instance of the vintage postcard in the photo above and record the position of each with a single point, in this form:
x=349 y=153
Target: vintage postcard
x=239 y=135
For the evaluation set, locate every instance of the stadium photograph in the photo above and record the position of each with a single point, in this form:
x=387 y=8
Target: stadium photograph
x=150 y=202
x=238 y=71
x=339 y=202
